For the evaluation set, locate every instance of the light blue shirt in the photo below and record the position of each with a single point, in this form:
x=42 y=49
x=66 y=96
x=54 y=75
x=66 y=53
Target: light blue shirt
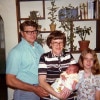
x=23 y=61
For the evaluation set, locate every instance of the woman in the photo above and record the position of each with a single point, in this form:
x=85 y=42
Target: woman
x=53 y=63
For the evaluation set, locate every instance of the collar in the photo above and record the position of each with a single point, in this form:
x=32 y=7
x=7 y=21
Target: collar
x=53 y=55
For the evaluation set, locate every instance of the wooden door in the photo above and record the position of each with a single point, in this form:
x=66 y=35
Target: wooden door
x=3 y=87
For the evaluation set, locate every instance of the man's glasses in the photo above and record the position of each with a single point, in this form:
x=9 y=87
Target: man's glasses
x=31 y=32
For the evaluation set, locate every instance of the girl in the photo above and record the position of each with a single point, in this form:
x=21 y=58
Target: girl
x=89 y=77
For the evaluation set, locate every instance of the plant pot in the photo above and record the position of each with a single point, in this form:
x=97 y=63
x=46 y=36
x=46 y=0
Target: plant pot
x=84 y=45
x=52 y=27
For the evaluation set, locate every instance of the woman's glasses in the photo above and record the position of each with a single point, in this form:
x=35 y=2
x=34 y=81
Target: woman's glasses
x=57 y=43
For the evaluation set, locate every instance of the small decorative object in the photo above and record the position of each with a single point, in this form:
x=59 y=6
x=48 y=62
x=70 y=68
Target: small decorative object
x=68 y=13
x=40 y=39
x=83 y=11
x=44 y=29
x=34 y=16
x=53 y=17
x=83 y=32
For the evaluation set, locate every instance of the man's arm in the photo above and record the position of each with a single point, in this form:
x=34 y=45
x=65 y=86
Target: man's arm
x=13 y=82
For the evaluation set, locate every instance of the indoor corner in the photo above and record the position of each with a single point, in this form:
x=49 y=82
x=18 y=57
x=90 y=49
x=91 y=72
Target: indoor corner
x=65 y=15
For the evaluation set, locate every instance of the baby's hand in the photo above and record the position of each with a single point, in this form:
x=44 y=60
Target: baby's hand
x=63 y=77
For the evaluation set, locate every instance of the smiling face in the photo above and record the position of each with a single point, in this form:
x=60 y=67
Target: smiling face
x=57 y=46
x=29 y=34
x=88 y=61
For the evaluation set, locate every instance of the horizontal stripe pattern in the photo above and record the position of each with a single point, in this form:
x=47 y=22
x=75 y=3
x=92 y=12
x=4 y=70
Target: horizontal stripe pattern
x=52 y=66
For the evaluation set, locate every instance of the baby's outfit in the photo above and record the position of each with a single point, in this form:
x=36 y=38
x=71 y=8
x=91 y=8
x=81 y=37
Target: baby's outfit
x=59 y=84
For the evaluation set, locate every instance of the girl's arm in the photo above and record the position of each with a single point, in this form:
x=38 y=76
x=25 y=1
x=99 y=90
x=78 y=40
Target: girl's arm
x=98 y=95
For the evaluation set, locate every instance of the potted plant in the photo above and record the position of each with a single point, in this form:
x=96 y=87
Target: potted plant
x=40 y=39
x=53 y=16
x=66 y=18
x=83 y=32
x=34 y=17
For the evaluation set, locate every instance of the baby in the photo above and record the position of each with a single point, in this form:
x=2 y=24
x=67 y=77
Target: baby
x=67 y=78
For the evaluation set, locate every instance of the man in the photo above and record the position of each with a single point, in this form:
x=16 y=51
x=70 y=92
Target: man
x=22 y=65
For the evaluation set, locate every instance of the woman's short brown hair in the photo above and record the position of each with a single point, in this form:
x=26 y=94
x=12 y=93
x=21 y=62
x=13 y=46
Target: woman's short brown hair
x=56 y=35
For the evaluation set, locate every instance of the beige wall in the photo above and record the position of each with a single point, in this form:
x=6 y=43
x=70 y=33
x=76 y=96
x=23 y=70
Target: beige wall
x=8 y=13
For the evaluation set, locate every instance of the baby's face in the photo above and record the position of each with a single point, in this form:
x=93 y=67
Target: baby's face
x=71 y=69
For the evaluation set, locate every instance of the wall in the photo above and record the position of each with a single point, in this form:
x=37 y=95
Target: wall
x=8 y=13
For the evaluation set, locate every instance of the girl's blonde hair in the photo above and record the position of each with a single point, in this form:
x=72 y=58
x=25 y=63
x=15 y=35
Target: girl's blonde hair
x=96 y=66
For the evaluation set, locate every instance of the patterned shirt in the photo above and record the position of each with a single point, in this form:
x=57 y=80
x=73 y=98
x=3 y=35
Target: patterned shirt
x=52 y=66
x=88 y=86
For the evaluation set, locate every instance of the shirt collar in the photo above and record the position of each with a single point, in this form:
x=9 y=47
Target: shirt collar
x=53 y=55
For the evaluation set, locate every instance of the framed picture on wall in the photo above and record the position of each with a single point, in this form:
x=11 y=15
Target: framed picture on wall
x=27 y=6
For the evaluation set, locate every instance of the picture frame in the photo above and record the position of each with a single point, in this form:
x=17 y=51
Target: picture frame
x=68 y=14
x=26 y=6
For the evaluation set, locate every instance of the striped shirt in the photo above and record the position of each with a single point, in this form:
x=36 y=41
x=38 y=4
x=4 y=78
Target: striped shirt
x=52 y=66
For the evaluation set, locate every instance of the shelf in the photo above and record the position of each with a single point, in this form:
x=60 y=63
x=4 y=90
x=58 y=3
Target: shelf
x=86 y=19
x=76 y=52
x=30 y=0
x=40 y=18
x=45 y=31
x=19 y=19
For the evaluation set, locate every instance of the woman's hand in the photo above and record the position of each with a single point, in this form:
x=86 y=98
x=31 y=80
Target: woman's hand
x=74 y=85
x=64 y=93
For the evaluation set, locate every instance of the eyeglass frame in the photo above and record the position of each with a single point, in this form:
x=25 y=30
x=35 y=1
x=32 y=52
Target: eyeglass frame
x=31 y=32
x=56 y=43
